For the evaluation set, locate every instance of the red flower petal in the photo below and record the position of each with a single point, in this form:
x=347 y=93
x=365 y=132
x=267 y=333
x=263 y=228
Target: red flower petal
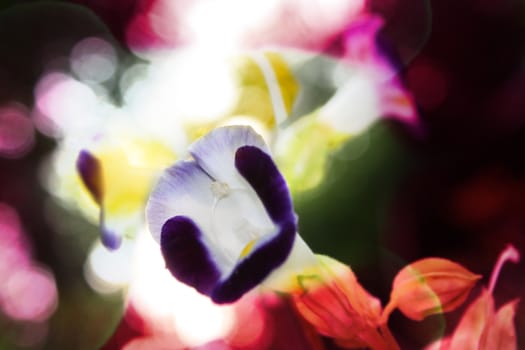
x=499 y=332
x=468 y=332
x=334 y=302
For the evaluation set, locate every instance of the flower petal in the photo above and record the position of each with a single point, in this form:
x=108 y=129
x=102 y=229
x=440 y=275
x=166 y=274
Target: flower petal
x=109 y=238
x=215 y=152
x=373 y=87
x=255 y=267
x=300 y=261
x=429 y=286
x=90 y=171
x=334 y=302
x=186 y=255
x=500 y=333
x=258 y=168
x=470 y=328
x=362 y=46
x=267 y=87
x=355 y=106
x=183 y=189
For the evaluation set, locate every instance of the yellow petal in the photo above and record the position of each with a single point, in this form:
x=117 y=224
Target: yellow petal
x=302 y=151
x=256 y=76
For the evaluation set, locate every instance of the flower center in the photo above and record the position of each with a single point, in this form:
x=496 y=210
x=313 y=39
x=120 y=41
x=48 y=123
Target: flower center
x=238 y=221
x=220 y=189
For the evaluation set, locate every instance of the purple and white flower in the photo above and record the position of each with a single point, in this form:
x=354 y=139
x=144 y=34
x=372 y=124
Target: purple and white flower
x=225 y=219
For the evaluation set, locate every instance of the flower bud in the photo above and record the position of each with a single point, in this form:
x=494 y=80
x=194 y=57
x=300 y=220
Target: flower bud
x=430 y=286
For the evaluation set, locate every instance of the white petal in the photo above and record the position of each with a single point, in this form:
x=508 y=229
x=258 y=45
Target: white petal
x=215 y=152
x=184 y=189
x=300 y=260
x=354 y=107
x=239 y=219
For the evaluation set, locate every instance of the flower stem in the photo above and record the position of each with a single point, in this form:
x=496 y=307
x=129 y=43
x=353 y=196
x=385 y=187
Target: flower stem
x=386 y=312
x=389 y=338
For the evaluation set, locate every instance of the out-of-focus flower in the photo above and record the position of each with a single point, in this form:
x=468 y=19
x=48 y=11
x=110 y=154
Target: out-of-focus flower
x=367 y=89
x=257 y=89
x=225 y=220
x=109 y=176
x=482 y=327
x=119 y=177
x=235 y=24
x=429 y=286
x=122 y=153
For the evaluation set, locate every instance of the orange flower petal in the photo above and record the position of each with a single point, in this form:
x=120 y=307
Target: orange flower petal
x=430 y=286
x=334 y=302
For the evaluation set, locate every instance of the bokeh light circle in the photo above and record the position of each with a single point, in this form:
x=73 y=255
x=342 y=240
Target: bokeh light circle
x=16 y=131
x=94 y=60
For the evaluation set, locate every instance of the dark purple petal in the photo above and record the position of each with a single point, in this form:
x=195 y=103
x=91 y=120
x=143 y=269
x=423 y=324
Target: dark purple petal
x=257 y=266
x=186 y=255
x=110 y=239
x=90 y=170
x=258 y=168
x=386 y=49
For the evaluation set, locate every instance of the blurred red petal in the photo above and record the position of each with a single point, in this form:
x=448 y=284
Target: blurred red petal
x=500 y=332
x=469 y=330
x=157 y=342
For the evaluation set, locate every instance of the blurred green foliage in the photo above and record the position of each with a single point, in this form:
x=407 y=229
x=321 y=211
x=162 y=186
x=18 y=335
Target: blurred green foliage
x=344 y=216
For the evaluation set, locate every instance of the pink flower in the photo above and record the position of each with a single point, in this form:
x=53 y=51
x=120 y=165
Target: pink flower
x=482 y=327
